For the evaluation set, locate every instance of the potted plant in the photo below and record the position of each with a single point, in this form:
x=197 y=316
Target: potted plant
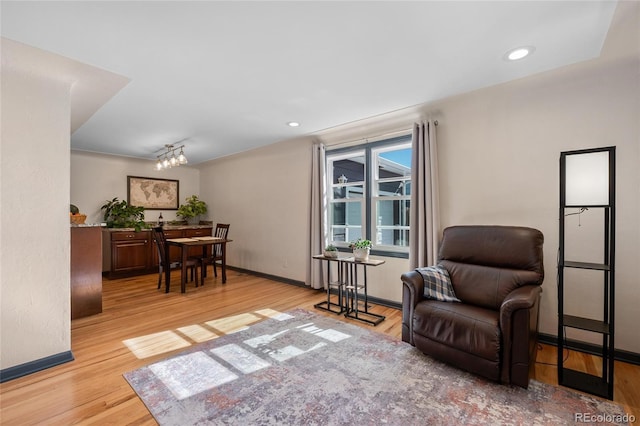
x=331 y=251
x=361 y=249
x=120 y=214
x=193 y=208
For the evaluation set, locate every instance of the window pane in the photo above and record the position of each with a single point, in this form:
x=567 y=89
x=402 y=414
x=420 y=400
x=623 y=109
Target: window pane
x=345 y=234
x=393 y=237
x=338 y=214
x=394 y=187
x=338 y=234
x=392 y=212
x=353 y=234
x=351 y=168
x=354 y=214
x=346 y=221
x=396 y=163
x=352 y=191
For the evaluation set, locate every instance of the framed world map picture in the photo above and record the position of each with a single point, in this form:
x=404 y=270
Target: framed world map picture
x=153 y=194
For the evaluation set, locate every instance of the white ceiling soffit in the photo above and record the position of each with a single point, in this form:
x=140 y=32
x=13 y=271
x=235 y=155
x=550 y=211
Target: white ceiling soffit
x=90 y=87
x=228 y=76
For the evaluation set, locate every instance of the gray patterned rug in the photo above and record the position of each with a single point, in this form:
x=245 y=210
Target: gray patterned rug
x=300 y=368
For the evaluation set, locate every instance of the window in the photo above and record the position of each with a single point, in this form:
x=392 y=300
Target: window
x=369 y=194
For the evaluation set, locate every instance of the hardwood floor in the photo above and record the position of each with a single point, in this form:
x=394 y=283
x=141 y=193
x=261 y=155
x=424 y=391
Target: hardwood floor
x=137 y=317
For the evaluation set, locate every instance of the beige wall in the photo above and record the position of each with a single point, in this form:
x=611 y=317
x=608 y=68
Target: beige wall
x=263 y=194
x=96 y=178
x=499 y=156
x=499 y=152
x=34 y=229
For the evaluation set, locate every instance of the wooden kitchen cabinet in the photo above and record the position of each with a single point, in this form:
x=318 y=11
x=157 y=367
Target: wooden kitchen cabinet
x=128 y=253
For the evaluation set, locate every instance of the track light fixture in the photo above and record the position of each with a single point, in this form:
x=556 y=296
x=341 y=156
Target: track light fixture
x=168 y=159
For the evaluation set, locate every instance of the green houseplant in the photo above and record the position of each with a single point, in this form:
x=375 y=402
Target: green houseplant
x=192 y=208
x=121 y=214
x=361 y=249
x=331 y=251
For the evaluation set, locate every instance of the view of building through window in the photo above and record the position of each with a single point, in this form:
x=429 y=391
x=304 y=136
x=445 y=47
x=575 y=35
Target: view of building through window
x=369 y=194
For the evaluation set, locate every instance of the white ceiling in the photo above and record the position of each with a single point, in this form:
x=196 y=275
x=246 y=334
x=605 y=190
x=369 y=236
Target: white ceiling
x=226 y=77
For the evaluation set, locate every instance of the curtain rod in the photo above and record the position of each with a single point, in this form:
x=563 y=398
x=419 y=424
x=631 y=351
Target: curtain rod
x=366 y=139
x=377 y=137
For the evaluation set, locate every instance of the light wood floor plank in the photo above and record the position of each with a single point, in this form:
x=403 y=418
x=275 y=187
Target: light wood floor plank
x=91 y=390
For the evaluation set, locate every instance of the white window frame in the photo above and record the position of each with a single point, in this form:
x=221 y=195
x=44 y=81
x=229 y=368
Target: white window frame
x=370 y=187
x=332 y=186
x=376 y=228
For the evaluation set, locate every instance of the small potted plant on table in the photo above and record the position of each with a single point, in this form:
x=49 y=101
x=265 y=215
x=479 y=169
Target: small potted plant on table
x=361 y=249
x=331 y=251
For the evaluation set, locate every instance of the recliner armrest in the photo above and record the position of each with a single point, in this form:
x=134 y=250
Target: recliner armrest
x=412 y=294
x=519 y=311
x=524 y=297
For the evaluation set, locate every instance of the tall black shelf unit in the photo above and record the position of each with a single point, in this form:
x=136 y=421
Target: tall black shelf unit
x=598 y=385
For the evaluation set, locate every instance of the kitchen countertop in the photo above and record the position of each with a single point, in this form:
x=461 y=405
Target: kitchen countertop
x=166 y=227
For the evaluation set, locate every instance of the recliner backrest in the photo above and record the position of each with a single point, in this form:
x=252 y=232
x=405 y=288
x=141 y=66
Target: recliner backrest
x=487 y=262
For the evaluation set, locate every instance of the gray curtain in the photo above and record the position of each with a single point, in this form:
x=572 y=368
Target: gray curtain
x=424 y=219
x=318 y=231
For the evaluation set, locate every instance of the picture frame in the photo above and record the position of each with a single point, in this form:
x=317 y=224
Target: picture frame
x=153 y=193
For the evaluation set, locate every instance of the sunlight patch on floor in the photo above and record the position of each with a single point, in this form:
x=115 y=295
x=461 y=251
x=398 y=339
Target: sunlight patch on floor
x=270 y=313
x=190 y=374
x=157 y=343
x=235 y=323
x=167 y=341
x=197 y=333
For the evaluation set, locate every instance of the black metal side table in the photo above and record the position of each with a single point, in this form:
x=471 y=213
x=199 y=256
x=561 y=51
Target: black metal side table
x=328 y=305
x=353 y=286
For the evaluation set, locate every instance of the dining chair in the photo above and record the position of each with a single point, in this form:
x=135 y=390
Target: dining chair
x=221 y=231
x=164 y=261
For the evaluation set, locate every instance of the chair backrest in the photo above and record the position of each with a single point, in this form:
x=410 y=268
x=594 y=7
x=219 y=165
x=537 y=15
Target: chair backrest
x=161 y=243
x=221 y=231
x=486 y=263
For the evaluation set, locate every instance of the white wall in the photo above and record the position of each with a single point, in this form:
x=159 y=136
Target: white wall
x=96 y=178
x=34 y=225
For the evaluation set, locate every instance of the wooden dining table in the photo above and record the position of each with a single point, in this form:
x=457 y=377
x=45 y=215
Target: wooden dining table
x=185 y=244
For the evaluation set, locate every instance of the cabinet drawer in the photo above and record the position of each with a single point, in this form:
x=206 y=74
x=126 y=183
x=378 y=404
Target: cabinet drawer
x=202 y=232
x=119 y=236
x=176 y=233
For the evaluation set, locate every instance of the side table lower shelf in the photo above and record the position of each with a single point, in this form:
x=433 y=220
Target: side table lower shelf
x=328 y=305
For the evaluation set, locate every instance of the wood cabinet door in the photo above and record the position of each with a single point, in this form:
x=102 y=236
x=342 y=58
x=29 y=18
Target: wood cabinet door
x=130 y=255
x=86 y=271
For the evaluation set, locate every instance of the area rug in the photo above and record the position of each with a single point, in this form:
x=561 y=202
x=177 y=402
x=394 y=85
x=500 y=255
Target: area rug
x=300 y=368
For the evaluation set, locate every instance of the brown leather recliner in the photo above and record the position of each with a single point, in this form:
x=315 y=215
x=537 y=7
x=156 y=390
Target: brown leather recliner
x=496 y=272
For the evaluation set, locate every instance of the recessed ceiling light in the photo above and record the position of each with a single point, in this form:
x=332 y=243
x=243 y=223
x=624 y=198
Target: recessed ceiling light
x=519 y=53
x=293 y=124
